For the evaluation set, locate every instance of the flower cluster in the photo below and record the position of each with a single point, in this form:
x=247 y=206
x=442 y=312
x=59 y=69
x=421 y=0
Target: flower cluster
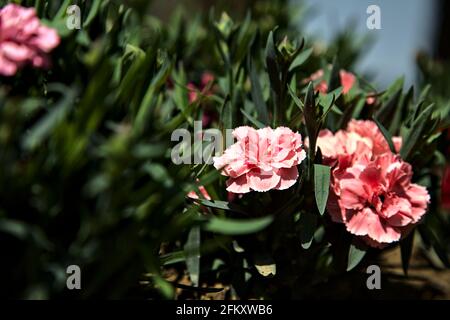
x=23 y=39
x=262 y=159
x=346 y=78
x=371 y=189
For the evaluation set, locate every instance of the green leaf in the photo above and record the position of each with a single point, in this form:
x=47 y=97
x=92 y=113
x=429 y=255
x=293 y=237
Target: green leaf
x=415 y=132
x=257 y=96
x=15 y=228
x=327 y=101
x=310 y=114
x=387 y=112
x=43 y=128
x=148 y=151
x=406 y=246
x=296 y=100
x=25 y=232
x=159 y=173
x=321 y=186
x=63 y=9
x=192 y=251
x=272 y=65
x=164 y=287
x=226 y=114
x=396 y=86
x=252 y=119
x=387 y=136
x=335 y=79
x=92 y=13
x=143 y=116
x=223 y=205
x=355 y=255
x=228 y=226
x=173 y=257
x=300 y=59
x=307 y=228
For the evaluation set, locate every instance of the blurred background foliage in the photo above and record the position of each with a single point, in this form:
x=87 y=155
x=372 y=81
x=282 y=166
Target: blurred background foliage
x=85 y=146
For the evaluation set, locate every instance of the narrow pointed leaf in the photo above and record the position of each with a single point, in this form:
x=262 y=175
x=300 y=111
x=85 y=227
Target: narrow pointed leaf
x=307 y=228
x=252 y=119
x=406 y=246
x=257 y=96
x=321 y=186
x=192 y=249
x=387 y=136
x=229 y=226
x=355 y=255
x=300 y=59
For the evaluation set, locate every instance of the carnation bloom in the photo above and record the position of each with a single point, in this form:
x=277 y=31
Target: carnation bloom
x=377 y=200
x=371 y=188
x=262 y=159
x=23 y=39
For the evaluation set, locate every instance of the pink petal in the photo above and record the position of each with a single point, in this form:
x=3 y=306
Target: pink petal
x=397 y=143
x=359 y=223
x=367 y=222
x=288 y=177
x=262 y=181
x=353 y=194
x=419 y=198
x=46 y=40
x=347 y=80
x=238 y=185
x=15 y=52
x=371 y=176
x=394 y=205
x=7 y=68
x=399 y=220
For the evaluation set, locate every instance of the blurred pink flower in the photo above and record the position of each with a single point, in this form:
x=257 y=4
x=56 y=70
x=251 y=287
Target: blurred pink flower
x=23 y=39
x=347 y=79
x=193 y=90
x=193 y=195
x=371 y=189
x=371 y=99
x=262 y=159
x=193 y=93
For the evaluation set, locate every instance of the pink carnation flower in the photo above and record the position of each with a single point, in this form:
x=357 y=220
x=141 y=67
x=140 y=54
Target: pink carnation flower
x=371 y=189
x=376 y=199
x=23 y=39
x=261 y=160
